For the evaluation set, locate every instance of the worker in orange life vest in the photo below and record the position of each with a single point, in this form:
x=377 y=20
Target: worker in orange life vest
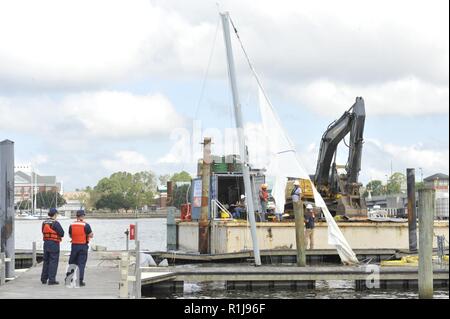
x=52 y=233
x=81 y=233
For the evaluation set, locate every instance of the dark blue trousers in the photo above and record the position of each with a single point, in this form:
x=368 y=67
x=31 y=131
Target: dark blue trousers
x=78 y=256
x=51 y=258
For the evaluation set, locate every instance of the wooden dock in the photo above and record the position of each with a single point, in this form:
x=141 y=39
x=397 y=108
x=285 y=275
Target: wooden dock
x=288 y=276
x=274 y=256
x=101 y=276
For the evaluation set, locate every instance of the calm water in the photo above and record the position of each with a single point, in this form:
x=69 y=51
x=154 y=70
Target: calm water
x=331 y=289
x=107 y=232
x=110 y=233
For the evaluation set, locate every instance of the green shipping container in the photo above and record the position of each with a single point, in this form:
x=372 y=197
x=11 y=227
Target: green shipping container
x=220 y=167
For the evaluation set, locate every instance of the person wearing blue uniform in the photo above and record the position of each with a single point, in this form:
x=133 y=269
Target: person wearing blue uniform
x=309 y=226
x=81 y=233
x=52 y=234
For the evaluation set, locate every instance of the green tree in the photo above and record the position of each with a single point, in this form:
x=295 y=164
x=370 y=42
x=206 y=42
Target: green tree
x=124 y=190
x=89 y=201
x=113 y=201
x=48 y=199
x=375 y=187
x=24 y=205
x=182 y=176
x=395 y=183
x=179 y=195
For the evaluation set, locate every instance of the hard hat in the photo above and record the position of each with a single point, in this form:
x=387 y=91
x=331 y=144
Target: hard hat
x=264 y=186
x=80 y=213
x=309 y=206
x=52 y=212
x=297 y=183
x=242 y=196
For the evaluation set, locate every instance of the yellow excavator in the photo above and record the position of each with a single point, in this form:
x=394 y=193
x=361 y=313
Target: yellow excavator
x=338 y=184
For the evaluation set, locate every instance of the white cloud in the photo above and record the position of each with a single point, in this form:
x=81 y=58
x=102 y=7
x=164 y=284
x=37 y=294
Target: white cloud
x=126 y=160
x=409 y=96
x=23 y=114
x=185 y=148
x=39 y=159
x=377 y=157
x=121 y=114
x=85 y=44
x=104 y=114
x=431 y=160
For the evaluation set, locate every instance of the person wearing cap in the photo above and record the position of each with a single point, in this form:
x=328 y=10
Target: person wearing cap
x=81 y=233
x=309 y=226
x=263 y=199
x=52 y=235
x=296 y=192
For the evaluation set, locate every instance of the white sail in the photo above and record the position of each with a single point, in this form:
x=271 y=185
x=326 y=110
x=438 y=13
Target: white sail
x=285 y=163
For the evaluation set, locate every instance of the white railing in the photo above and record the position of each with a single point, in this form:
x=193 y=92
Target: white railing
x=216 y=204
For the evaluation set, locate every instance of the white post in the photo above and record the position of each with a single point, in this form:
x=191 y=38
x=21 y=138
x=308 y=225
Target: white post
x=124 y=265
x=2 y=268
x=137 y=272
x=136 y=238
x=34 y=261
x=127 y=233
x=240 y=131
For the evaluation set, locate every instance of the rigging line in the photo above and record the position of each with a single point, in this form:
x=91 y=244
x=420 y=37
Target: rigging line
x=207 y=68
x=257 y=79
x=346 y=143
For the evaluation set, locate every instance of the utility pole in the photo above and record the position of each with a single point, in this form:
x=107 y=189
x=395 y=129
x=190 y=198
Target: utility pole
x=426 y=216
x=412 y=216
x=203 y=224
x=240 y=131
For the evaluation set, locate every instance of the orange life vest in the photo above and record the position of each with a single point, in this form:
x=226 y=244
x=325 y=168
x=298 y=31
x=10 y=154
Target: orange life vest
x=48 y=232
x=79 y=235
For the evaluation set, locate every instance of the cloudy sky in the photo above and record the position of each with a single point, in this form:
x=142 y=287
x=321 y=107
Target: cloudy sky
x=88 y=88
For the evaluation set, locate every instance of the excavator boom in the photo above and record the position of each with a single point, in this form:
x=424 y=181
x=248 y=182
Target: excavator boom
x=342 y=190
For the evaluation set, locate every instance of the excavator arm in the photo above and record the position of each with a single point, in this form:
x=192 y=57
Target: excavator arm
x=334 y=134
x=325 y=178
x=353 y=166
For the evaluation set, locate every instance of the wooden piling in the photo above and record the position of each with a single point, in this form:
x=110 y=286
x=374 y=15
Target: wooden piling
x=300 y=233
x=203 y=230
x=412 y=215
x=426 y=216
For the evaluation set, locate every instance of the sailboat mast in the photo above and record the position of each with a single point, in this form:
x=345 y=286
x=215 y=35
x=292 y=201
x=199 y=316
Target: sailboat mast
x=240 y=131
